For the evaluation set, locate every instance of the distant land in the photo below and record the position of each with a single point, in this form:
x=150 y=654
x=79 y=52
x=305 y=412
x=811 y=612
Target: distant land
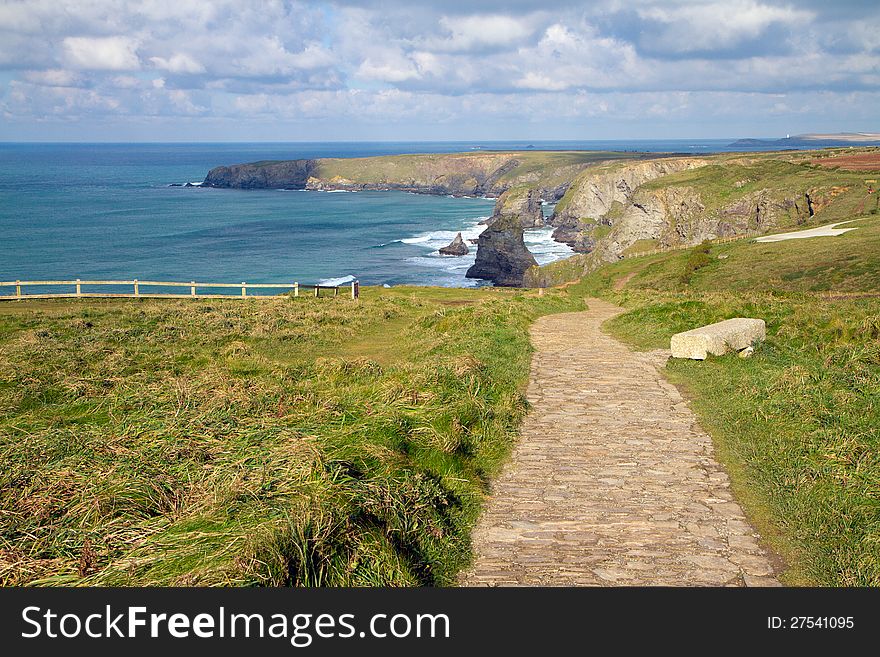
x=815 y=140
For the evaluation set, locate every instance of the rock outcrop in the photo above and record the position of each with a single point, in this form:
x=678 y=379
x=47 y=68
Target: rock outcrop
x=676 y=215
x=502 y=256
x=289 y=174
x=456 y=248
x=597 y=196
x=522 y=202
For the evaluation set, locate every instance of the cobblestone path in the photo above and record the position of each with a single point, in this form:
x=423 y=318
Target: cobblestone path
x=613 y=482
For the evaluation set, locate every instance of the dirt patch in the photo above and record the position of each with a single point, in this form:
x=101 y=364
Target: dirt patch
x=621 y=282
x=860 y=162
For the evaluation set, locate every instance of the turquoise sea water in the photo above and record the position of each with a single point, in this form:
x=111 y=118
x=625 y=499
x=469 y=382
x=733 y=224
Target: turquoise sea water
x=106 y=211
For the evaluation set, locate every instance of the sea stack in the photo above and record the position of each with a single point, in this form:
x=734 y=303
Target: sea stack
x=456 y=248
x=502 y=256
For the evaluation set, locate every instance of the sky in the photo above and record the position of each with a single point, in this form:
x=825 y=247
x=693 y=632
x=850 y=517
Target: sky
x=235 y=70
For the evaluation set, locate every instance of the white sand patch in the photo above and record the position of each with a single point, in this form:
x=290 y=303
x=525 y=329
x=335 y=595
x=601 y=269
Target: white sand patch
x=822 y=231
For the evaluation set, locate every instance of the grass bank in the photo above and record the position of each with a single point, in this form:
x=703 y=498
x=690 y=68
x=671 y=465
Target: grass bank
x=284 y=442
x=798 y=424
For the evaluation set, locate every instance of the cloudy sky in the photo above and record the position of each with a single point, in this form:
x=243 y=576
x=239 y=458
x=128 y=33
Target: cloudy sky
x=230 y=70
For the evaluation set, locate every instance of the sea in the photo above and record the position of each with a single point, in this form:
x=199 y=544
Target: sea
x=117 y=211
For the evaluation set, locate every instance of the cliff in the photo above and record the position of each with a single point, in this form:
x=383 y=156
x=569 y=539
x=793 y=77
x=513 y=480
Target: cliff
x=597 y=195
x=502 y=256
x=613 y=212
x=609 y=205
x=521 y=202
x=519 y=180
x=465 y=174
x=288 y=174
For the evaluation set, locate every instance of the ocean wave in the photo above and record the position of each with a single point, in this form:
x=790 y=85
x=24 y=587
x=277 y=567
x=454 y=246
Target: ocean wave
x=437 y=239
x=545 y=249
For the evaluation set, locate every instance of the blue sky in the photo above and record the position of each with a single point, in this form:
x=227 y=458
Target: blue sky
x=231 y=70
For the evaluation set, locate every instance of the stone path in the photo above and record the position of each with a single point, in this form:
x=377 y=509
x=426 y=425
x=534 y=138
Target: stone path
x=612 y=482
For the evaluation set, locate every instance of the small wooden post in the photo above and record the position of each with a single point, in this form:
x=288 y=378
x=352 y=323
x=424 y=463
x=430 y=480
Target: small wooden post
x=336 y=291
x=78 y=288
x=18 y=289
x=243 y=289
x=317 y=289
x=137 y=291
x=356 y=289
x=296 y=288
x=353 y=293
x=192 y=288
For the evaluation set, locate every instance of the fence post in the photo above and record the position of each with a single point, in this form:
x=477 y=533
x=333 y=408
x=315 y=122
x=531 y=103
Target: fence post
x=137 y=291
x=78 y=288
x=353 y=294
x=336 y=291
x=243 y=289
x=18 y=289
x=192 y=289
x=357 y=289
x=296 y=288
x=317 y=289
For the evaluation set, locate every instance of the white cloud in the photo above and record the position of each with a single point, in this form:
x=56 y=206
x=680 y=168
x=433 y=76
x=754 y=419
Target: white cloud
x=540 y=81
x=389 y=66
x=711 y=26
x=430 y=63
x=115 y=53
x=54 y=77
x=178 y=63
x=468 y=32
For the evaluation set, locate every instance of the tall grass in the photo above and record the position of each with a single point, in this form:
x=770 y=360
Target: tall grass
x=249 y=443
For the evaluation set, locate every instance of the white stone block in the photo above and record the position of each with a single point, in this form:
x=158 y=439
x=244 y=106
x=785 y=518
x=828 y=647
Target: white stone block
x=719 y=338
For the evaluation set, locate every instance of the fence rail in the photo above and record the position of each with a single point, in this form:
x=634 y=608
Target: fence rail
x=193 y=286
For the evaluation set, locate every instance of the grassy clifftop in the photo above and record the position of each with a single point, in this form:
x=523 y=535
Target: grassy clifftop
x=620 y=208
x=477 y=173
x=296 y=441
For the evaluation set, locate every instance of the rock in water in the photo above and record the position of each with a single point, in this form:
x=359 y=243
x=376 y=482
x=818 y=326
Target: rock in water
x=456 y=248
x=502 y=256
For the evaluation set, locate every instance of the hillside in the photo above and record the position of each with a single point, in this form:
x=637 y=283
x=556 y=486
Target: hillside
x=299 y=441
x=797 y=426
x=481 y=174
x=620 y=209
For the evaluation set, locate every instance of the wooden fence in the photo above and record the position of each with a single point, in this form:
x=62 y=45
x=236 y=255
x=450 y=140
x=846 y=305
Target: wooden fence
x=136 y=293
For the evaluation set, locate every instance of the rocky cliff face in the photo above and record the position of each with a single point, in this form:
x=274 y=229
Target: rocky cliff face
x=502 y=256
x=664 y=217
x=520 y=202
x=290 y=174
x=596 y=195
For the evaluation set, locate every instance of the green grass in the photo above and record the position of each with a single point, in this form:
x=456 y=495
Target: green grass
x=734 y=178
x=279 y=442
x=548 y=168
x=798 y=424
x=846 y=263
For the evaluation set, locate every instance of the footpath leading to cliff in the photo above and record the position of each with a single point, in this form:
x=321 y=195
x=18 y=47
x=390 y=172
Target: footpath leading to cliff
x=613 y=482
